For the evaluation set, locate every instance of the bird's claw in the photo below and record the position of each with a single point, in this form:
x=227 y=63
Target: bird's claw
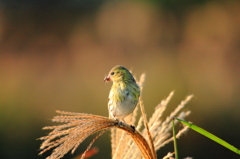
x=133 y=127
x=120 y=123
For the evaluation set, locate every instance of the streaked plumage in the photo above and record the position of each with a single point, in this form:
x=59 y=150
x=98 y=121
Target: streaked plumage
x=124 y=94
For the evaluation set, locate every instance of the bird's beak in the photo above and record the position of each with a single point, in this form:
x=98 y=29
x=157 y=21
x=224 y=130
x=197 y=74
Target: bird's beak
x=106 y=79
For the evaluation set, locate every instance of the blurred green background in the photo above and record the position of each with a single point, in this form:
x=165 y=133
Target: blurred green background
x=55 y=54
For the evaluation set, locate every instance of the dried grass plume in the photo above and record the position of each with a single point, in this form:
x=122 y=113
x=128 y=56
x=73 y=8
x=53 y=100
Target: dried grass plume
x=141 y=141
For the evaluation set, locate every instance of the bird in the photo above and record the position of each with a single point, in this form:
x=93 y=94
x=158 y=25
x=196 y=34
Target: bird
x=124 y=94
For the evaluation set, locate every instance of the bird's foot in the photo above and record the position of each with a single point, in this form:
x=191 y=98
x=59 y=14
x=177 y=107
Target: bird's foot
x=133 y=128
x=120 y=123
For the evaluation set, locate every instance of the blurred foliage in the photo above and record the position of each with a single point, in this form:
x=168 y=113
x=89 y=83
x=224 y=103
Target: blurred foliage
x=55 y=54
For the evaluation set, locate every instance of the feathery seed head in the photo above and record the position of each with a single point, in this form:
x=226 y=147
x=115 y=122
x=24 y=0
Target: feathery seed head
x=119 y=74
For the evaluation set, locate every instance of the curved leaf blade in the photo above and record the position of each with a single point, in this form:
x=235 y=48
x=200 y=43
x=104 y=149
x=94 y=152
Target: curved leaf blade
x=210 y=136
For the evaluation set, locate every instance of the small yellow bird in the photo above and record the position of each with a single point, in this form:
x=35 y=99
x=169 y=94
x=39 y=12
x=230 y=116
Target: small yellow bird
x=124 y=94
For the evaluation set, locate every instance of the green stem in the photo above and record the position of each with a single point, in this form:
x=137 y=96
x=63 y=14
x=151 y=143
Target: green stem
x=174 y=140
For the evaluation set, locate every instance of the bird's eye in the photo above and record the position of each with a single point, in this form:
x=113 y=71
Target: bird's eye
x=112 y=73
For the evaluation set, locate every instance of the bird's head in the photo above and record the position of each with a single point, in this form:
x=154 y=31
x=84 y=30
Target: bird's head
x=119 y=74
